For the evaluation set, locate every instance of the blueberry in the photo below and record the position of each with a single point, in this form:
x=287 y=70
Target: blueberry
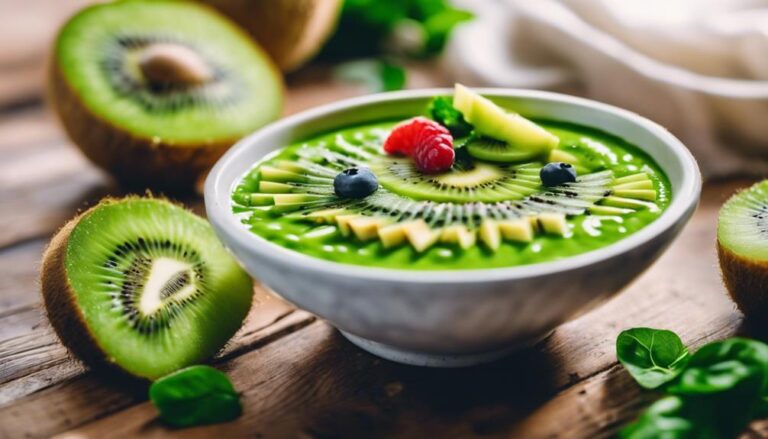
x=355 y=183
x=557 y=173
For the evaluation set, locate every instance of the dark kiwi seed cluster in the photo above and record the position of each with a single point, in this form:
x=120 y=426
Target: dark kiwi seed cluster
x=130 y=266
x=761 y=217
x=408 y=174
x=222 y=91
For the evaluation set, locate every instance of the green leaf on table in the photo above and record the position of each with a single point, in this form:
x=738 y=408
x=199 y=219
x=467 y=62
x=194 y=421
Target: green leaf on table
x=197 y=395
x=442 y=111
x=375 y=75
x=652 y=356
x=736 y=364
x=675 y=417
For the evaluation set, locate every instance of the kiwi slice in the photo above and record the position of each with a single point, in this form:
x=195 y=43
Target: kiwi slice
x=742 y=247
x=155 y=91
x=143 y=286
x=585 y=156
x=496 y=150
x=476 y=202
x=493 y=121
x=480 y=181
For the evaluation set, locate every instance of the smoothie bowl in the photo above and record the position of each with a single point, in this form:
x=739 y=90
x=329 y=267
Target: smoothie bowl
x=448 y=229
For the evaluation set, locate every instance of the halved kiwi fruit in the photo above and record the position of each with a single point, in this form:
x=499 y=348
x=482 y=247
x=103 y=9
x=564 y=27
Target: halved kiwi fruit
x=742 y=247
x=143 y=286
x=476 y=201
x=155 y=91
x=291 y=31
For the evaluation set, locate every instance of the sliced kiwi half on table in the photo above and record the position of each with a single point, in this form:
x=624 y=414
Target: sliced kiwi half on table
x=143 y=286
x=155 y=91
x=474 y=202
x=742 y=247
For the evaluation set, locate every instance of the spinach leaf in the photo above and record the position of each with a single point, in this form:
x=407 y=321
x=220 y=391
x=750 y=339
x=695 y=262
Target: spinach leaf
x=664 y=419
x=678 y=417
x=652 y=356
x=714 y=393
x=736 y=364
x=442 y=111
x=197 y=395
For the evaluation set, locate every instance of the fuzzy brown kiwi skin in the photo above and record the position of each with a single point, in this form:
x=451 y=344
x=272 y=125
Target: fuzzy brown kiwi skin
x=746 y=281
x=61 y=306
x=135 y=162
x=291 y=31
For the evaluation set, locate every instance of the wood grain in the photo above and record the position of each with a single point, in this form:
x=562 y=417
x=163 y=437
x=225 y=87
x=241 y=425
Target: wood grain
x=38 y=373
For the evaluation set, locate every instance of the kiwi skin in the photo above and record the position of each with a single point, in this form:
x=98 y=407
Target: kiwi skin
x=60 y=303
x=59 y=300
x=135 y=162
x=291 y=31
x=746 y=281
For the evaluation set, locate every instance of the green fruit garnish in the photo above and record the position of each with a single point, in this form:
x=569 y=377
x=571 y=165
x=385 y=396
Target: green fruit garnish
x=493 y=121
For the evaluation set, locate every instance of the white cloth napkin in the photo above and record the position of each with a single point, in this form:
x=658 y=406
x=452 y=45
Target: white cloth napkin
x=697 y=67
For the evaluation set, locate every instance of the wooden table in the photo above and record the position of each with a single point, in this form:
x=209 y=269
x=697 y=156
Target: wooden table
x=298 y=377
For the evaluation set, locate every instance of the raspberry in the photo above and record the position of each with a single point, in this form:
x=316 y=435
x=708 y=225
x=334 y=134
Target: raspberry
x=407 y=135
x=429 y=143
x=435 y=158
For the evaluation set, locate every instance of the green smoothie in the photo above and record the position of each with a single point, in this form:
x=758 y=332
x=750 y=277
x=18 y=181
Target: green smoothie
x=478 y=214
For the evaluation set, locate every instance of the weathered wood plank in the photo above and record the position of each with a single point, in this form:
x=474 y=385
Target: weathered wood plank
x=19 y=267
x=39 y=349
x=73 y=397
x=25 y=38
x=23 y=131
x=568 y=386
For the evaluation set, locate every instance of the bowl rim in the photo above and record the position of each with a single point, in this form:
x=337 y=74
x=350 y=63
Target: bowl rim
x=230 y=229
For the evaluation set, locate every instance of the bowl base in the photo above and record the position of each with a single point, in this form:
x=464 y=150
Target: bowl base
x=427 y=359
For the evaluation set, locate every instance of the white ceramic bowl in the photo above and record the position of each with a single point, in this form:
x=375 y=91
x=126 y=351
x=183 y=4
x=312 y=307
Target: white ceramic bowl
x=451 y=318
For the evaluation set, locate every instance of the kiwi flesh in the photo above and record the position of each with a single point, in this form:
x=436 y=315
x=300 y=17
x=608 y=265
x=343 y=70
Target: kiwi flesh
x=584 y=156
x=142 y=286
x=475 y=202
x=492 y=121
x=154 y=92
x=496 y=150
x=291 y=31
x=742 y=248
